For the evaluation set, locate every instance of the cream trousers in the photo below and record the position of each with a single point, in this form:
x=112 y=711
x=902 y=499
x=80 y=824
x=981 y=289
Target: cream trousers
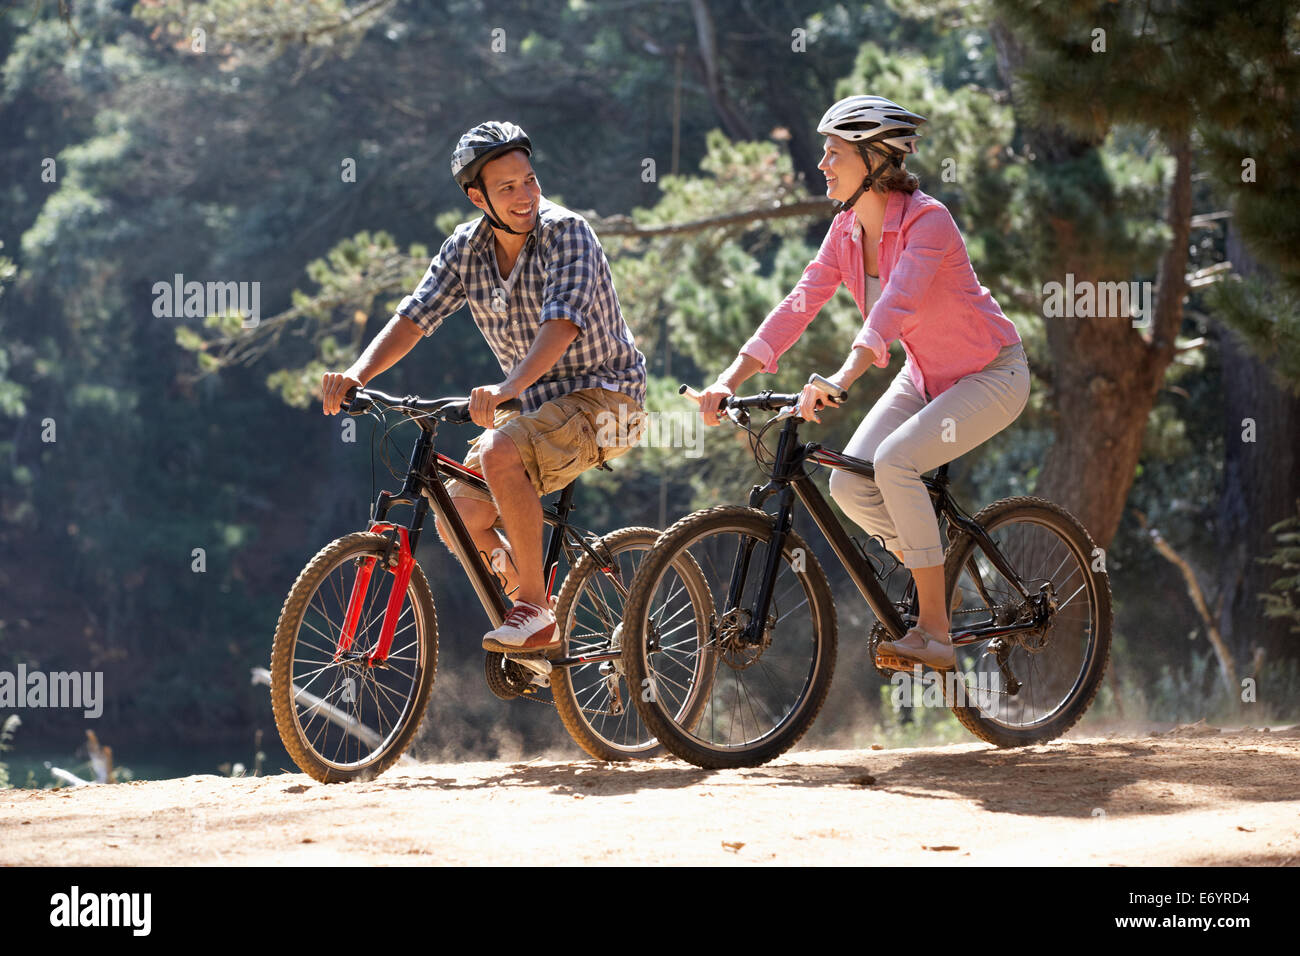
x=905 y=436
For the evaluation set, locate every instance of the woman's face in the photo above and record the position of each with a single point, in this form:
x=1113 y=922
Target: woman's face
x=843 y=167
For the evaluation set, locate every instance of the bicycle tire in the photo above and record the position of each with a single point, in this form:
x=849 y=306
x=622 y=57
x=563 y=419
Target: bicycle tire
x=317 y=745
x=1061 y=639
x=593 y=704
x=709 y=741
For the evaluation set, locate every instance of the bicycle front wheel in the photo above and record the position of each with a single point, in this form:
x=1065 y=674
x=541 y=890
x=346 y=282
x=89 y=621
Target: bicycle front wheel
x=340 y=716
x=1031 y=686
x=768 y=680
x=593 y=700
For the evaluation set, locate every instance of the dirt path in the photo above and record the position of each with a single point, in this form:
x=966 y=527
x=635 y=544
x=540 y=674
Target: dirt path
x=1189 y=797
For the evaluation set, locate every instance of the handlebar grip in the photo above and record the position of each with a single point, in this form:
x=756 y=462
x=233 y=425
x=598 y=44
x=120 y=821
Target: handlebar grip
x=354 y=405
x=832 y=392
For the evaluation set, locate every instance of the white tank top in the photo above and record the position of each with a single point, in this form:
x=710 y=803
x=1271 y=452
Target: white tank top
x=873 y=291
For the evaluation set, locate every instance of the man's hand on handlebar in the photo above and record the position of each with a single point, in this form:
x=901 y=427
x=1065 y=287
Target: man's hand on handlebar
x=483 y=402
x=334 y=389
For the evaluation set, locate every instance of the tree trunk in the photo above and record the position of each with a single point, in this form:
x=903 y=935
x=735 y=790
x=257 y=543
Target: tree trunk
x=1105 y=373
x=733 y=123
x=1261 y=482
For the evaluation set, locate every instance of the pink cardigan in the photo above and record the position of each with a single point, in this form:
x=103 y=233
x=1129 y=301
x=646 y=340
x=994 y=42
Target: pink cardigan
x=949 y=323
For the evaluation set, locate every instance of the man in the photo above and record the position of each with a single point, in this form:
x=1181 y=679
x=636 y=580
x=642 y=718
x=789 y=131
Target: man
x=539 y=288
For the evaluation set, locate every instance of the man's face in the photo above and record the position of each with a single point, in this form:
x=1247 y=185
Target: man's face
x=511 y=184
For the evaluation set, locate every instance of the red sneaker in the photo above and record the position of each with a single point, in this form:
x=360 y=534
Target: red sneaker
x=527 y=629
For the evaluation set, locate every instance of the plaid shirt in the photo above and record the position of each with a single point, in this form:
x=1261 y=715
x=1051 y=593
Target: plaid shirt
x=562 y=274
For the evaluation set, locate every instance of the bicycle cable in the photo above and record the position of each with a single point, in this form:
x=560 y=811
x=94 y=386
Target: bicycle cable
x=384 y=441
x=757 y=445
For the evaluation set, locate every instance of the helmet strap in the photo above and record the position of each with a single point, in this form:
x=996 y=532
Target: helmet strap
x=867 y=182
x=493 y=218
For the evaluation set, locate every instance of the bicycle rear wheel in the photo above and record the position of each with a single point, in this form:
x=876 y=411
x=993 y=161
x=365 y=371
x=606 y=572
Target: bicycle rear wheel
x=1060 y=665
x=765 y=688
x=339 y=717
x=593 y=700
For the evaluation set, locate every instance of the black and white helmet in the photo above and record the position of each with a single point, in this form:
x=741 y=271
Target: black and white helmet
x=873 y=121
x=483 y=143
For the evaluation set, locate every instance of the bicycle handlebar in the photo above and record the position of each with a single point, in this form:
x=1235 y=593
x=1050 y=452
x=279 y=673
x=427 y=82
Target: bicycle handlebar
x=774 y=401
x=454 y=410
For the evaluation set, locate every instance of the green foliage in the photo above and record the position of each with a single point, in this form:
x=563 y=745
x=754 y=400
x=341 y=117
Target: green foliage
x=11 y=393
x=252 y=26
x=1286 y=558
x=1266 y=316
x=909 y=723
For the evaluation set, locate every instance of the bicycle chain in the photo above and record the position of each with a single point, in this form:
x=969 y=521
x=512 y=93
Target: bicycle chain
x=992 y=609
x=995 y=608
x=532 y=695
x=535 y=699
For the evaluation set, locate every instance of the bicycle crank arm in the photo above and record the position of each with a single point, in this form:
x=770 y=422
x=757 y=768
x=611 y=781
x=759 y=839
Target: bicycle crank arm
x=536 y=663
x=585 y=659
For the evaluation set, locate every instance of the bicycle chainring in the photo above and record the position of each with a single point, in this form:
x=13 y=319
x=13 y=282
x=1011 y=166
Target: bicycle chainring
x=507 y=679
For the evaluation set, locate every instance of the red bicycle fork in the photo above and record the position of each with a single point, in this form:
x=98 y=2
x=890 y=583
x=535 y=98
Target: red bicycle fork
x=401 y=571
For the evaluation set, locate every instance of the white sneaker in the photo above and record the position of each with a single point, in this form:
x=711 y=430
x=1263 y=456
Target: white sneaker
x=527 y=629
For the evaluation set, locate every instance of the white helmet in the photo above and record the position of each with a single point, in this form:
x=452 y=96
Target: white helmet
x=873 y=121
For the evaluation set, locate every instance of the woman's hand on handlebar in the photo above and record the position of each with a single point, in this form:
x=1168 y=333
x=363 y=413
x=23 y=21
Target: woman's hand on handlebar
x=334 y=389
x=813 y=399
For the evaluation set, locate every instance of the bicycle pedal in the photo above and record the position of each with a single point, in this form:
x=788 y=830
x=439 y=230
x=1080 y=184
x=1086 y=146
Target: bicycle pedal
x=891 y=662
x=894 y=662
x=537 y=663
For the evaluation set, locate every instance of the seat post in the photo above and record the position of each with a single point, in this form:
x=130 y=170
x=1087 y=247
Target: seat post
x=565 y=504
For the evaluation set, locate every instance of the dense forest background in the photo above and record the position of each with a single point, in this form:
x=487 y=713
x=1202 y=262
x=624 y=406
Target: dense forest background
x=305 y=147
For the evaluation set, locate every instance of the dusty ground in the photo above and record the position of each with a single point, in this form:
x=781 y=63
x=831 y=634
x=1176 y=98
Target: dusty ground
x=1190 y=796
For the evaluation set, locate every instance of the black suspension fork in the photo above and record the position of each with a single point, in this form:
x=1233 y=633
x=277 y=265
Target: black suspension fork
x=782 y=523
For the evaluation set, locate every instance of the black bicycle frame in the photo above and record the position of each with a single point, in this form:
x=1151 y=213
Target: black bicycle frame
x=789 y=479
x=424 y=481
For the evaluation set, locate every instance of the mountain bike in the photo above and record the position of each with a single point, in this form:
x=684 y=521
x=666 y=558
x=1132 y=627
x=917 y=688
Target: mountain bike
x=1031 y=610
x=356 y=645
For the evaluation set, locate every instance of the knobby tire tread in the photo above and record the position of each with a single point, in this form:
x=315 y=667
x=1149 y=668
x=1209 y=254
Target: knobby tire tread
x=725 y=517
x=1068 y=526
x=291 y=614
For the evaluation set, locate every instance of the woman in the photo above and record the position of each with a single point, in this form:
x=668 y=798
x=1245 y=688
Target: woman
x=965 y=379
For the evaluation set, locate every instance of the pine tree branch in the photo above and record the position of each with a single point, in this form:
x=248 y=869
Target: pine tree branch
x=624 y=226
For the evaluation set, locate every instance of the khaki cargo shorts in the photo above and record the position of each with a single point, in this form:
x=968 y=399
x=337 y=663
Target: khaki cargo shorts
x=563 y=438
